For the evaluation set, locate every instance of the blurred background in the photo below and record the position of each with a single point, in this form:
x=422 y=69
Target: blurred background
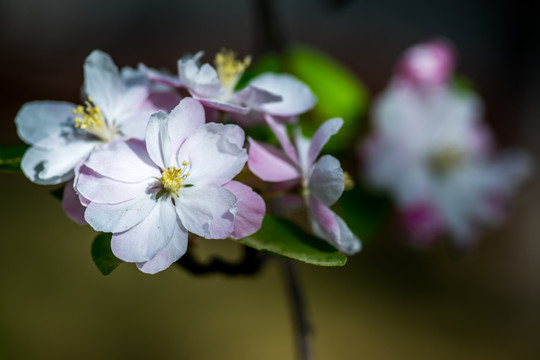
x=389 y=302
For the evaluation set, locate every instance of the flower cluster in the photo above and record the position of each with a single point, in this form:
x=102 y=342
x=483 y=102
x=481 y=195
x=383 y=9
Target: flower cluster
x=148 y=166
x=431 y=150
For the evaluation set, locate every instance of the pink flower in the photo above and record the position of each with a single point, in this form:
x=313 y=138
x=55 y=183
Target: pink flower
x=427 y=64
x=150 y=196
x=322 y=180
x=433 y=153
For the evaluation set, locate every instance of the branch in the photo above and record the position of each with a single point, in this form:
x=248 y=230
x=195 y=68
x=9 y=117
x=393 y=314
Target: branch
x=303 y=328
x=250 y=264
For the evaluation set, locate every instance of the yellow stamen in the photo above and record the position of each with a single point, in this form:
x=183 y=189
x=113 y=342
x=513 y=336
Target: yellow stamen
x=445 y=159
x=92 y=121
x=230 y=69
x=348 y=180
x=173 y=178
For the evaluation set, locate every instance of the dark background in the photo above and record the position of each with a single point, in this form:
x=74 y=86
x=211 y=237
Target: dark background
x=388 y=302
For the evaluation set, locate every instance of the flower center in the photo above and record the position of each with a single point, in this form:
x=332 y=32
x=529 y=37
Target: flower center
x=230 y=69
x=173 y=178
x=445 y=160
x=92 y=121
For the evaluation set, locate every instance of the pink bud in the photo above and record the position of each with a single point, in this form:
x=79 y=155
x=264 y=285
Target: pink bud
x=427 y=64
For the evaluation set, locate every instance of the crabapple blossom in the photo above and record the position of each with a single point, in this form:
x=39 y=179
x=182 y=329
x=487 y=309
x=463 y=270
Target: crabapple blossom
x=149 y=196
x=62 y=134
x=215 y=87
x=322 y=181
x=433 y=153
x=427 y=64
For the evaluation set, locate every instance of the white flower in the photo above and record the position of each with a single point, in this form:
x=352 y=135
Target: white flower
x=150 y=196
x=62 y=134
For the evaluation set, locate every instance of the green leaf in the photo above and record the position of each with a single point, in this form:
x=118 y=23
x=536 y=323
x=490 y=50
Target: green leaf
x=102 y=254
x=10 y=157
x=284 y=238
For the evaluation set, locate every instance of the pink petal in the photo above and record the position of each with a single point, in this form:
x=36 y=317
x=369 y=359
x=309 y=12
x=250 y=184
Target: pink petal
x=145 y=240
x=207 y=211
x=327 y=180
x=281 y=133
x=430 y=63
x=222 y=105
x=249 y=212
x=160 y=76
x=168 y=255
x=125 y=161
x=270 y=164
x=321 y=137
x=72 y=205
x=423 y=222
x=162 y=100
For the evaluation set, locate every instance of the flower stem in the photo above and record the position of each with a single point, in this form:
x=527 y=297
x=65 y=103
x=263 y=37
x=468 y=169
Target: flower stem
x=302 y=327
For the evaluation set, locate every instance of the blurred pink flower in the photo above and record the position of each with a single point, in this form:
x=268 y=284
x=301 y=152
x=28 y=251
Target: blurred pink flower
x=433 y=153
x=150 y=197
x=427 y=64
x=322 y=180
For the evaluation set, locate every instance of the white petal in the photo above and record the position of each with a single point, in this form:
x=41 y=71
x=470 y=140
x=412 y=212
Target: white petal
x=158 y=142
x=102 y=82
x=45 y=120
x=255 y=97
x=145 y=240
x=213 y=154
x=168 y=255
x=56 y=165
x=226 y=106
x=125 y=161
x=184 y=119
x=296 y=97
x=207 y=211
x=119 y=217
x=100 y=189
x=203 y=81
x=330 y=227
x=327 y=182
